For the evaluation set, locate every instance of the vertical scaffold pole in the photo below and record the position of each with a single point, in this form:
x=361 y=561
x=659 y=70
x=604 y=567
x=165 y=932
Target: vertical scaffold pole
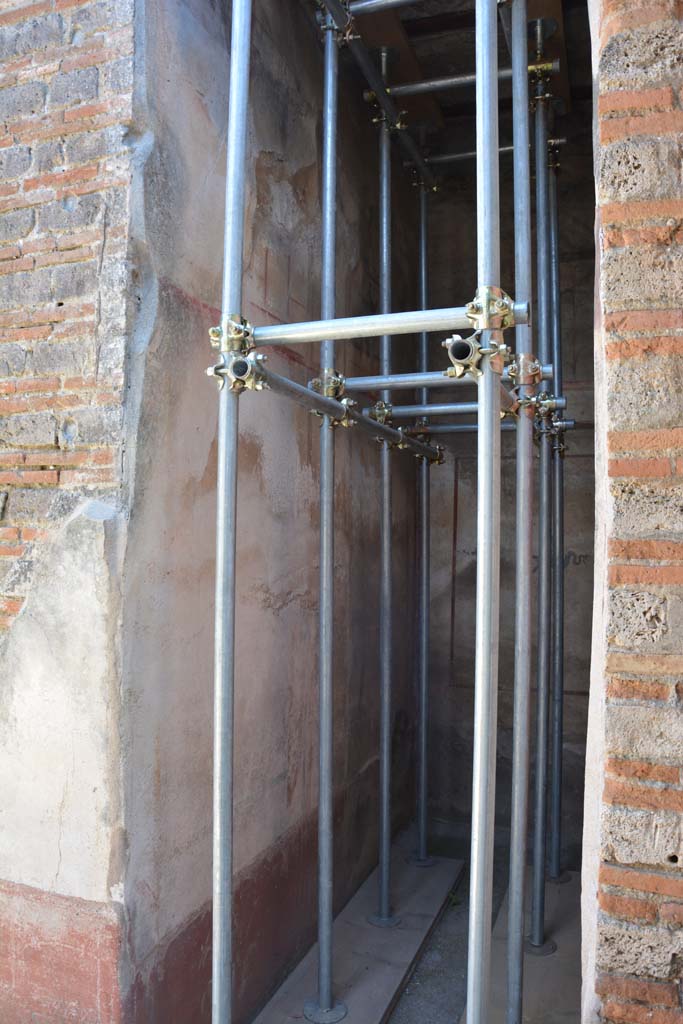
x=423 y=858
x=555 y=866
x=537 y=944
x=324 y=1010
x=384 y=917
x=226 y=522
x=488 y=527
x=523 y=521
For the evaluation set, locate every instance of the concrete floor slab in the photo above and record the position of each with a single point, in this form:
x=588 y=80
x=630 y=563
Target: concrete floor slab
x=552 y=984
x=371 y=965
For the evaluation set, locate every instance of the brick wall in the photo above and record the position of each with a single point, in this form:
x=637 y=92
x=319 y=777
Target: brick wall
x=65 y=106
x=639 y=940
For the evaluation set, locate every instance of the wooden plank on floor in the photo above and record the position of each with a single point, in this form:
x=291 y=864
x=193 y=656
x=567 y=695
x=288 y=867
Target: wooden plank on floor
x=372 y=965
x=552 y=984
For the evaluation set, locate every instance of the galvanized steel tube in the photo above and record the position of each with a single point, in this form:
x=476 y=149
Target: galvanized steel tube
x=409 y=381
x=555 y=867
x=371 y=6
x=309 y=399
x=423 y=545
x=488 y=531
x=378 y=85
x=384 y=914
x=523 y=528
x=537 y=938
x=226 y=526
x=324 y=1010
x=352 y=327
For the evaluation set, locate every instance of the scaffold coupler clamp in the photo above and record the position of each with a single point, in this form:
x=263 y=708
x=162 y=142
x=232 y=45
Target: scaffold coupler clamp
x=331 y=384
x=526 y=373
x=242 y=371
x=381 y=412
x=345 y=33
x=346 y=420
x=237 y=363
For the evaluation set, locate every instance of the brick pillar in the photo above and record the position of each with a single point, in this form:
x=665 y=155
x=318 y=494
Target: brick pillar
x=633 y=881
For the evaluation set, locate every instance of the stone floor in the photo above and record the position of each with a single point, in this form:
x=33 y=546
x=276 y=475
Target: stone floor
x=436 y=992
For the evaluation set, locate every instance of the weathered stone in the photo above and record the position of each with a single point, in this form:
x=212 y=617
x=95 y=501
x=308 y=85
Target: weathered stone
x=47 y=156
x=639 y=506
x=21 y=100
x=645 y=733
x=643 y=277
x=634 y=949
x=71 y=214
x=25 y=288
x=641 y=57
x=14 y=160
x=93 y=145
x=637 y=618
x=16 y=224
x=71 y=87
x=28 y=428
x=28 y=505
x=97 y=425
x=68 y=358
x=631 y=836
x=105 y=15
x=646 y=392
x=12 y=359
x=117 y=77
x=74 y=280
x=648 y=169
x=33 y=34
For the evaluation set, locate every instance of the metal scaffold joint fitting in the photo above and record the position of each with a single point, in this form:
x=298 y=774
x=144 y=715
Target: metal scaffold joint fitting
x=381 y=412
x=242 y=371
x=235 y=333
x=331 y=384
x=491 y=309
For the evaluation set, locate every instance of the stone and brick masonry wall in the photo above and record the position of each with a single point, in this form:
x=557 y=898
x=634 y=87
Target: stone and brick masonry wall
x=638 y=938
x=65 y=103
x=66 y=74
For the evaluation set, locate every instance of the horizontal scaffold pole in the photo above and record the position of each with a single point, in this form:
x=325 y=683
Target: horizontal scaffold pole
x=345 y=413
x=373 y=77
x=409 y=381
x=405 y=412
x=371 y=6
x=349 y=328
x=467 y=428
x=459 y=81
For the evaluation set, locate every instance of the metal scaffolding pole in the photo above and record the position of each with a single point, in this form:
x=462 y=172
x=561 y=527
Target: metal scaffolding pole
x=409 y=381
x=423 y=528
x=226 y=524
x=523 y=524
x=324 y=1010
x=471 y=428
x=343 y=20
x=537 y=942
x=488 y=528
x=384 y=917
x=352 y=327
x=555 y=868
x=370 y=6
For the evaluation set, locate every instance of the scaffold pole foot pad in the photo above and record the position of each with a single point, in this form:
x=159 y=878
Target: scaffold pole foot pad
x=372 y=965
x=552 y=985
